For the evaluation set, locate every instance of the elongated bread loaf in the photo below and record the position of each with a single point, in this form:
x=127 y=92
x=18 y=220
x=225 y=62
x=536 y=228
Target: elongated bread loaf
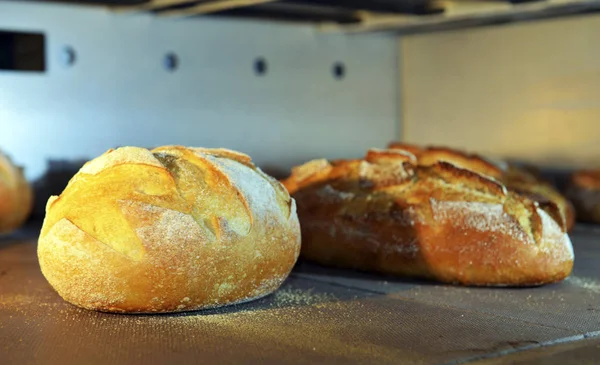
x=166 y=230
x=16 y=196
x=390 y=214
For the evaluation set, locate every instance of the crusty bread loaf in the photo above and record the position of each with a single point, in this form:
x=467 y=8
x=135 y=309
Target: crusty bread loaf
x=390 y=214
x=172 y=229
x=516 y=178
x=583 y=190
x=16 y=197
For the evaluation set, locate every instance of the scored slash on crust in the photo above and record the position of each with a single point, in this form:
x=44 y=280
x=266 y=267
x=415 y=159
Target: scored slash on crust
x=387 y=169
x=218 y=168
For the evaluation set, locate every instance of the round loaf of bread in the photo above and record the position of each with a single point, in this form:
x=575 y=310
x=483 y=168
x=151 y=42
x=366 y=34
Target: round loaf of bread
x=171 y=229
x=388 y=213
x=16 y=197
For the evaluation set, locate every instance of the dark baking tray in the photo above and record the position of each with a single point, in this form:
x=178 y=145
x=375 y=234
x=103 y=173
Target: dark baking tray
x=320 y=315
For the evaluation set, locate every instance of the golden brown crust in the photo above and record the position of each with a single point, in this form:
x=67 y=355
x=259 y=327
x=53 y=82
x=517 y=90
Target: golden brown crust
x=427 y=156
x=584 y=191
x=414 y=149
x=436 y=221
x=520 y=179
x=16 y=196
x=172 y=229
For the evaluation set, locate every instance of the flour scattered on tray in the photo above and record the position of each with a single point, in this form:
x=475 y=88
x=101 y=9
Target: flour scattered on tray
x=285 y=297
x=585 y=283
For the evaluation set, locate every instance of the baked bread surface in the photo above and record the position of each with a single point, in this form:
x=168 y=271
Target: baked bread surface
x=171 y=229
x=524 y=180
x=16 y=196
x=388 y=213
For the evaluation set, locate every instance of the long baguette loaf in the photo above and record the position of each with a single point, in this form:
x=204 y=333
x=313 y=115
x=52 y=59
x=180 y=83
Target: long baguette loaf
x=390 y=214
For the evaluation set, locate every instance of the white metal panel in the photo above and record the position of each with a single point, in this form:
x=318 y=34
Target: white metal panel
x=119 y=93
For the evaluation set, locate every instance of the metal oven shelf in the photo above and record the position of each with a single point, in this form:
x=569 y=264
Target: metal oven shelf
x=320 y=315
x=399 y=16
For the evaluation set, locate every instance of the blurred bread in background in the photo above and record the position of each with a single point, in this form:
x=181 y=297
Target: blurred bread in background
x=584 y=191
x=16 y=196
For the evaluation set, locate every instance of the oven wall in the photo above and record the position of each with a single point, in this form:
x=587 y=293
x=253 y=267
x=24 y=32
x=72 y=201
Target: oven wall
x=118 y=92
x=529 y=91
